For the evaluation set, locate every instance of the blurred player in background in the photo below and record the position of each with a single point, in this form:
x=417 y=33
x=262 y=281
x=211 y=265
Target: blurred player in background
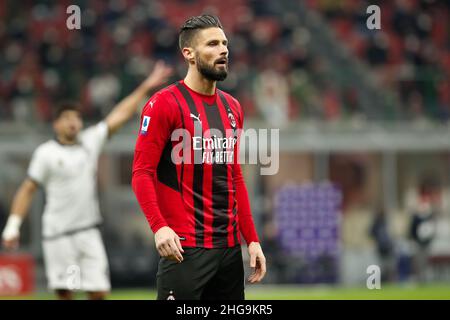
x=197 y=209
x=66 y=167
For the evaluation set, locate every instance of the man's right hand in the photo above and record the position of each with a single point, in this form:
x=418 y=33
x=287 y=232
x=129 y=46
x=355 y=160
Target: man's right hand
x=11 y=244
x=168 y=244
x=11 y=233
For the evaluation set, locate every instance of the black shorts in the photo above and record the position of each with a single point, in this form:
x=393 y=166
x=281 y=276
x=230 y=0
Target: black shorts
x=206 y=274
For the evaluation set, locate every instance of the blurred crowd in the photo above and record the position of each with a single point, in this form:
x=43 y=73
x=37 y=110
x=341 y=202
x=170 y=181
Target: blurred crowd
x=410 y=55
x=44 y=62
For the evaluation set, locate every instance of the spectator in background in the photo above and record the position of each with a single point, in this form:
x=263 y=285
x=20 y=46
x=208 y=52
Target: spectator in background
x=39 y=51
x=103 y=91
x=423 y=223
x=385 y=245
x=272 y=97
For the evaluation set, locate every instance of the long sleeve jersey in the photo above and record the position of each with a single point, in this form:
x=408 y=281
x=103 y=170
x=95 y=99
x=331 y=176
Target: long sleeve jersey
x=186 y=173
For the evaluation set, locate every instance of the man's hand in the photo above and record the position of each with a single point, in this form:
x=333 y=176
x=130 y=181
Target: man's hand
x=257 y=262
x=11 y=244
x=168 y=244
x=11 y=233
x=159 y=75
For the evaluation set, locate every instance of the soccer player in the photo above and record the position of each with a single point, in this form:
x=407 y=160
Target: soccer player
x=66 y=167
x=197 y=207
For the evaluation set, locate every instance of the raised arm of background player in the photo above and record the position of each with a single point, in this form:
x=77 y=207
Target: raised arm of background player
x=119 y=115
x=126 y=108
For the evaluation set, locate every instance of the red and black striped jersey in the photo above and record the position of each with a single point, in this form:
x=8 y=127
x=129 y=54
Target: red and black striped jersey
x=186 y=173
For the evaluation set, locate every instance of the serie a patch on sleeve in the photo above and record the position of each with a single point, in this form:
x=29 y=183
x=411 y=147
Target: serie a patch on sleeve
x=144 y=126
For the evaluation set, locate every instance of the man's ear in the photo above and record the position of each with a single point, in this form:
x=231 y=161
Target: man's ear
x=188 y=54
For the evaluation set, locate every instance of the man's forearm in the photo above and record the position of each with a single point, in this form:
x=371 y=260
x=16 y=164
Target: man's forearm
x=19 y=209
x=130 y=103
x=22 y=199
x=143 y=186
x=125 y=109
x=246 y=223
x=145 y=194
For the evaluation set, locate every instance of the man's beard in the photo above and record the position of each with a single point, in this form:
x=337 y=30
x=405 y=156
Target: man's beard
x=71 y=137
x=209 y=72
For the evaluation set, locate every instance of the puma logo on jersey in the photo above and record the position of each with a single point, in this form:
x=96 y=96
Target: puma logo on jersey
x=196 y=117
x=151 y=104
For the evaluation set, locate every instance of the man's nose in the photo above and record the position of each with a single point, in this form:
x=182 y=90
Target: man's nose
x=224 y=50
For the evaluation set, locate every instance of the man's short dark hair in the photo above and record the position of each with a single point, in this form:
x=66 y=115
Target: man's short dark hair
x=193 y=25
x=66 y=106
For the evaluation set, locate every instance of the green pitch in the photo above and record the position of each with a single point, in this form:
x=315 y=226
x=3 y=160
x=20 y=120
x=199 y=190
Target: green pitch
x=271 y=292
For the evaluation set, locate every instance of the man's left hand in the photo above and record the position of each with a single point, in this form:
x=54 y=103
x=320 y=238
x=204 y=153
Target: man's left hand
x=257 y=262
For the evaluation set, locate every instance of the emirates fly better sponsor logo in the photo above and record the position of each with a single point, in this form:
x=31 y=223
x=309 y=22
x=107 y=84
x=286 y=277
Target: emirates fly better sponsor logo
x=213 y=147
